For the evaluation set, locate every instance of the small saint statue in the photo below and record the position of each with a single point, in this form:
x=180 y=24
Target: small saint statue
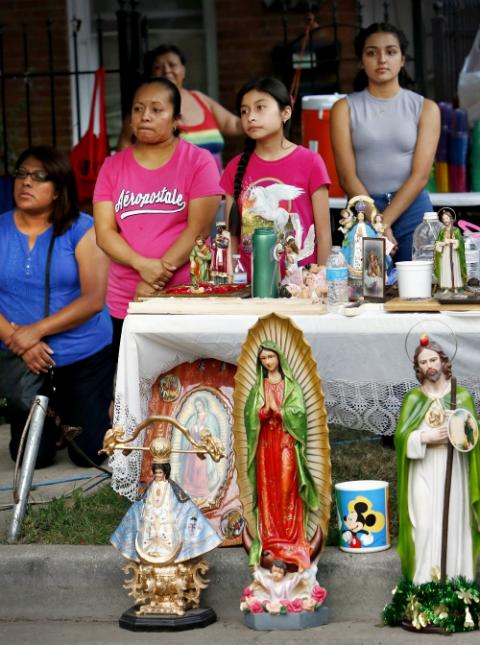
x=220 y=268
x=352 y=247
x=200 y=258
x=449 y=255
x=164 y=535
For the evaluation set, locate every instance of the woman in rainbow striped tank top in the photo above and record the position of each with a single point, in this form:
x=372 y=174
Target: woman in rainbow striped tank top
x=204 y=121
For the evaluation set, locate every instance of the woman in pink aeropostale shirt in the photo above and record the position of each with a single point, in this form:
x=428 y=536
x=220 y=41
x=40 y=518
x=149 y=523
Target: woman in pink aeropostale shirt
x=152 y=200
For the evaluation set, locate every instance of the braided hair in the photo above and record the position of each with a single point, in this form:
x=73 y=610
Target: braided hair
x=360 y=82
x=277 y=90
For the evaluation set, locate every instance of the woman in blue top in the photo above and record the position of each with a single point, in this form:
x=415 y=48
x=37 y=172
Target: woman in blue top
x=75 y=338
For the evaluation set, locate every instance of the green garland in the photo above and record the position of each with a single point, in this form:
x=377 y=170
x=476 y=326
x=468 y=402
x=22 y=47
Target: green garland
x=453 y=606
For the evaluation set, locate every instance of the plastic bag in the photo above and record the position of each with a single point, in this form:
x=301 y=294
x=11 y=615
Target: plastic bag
x=469 y=82
x=90 y=152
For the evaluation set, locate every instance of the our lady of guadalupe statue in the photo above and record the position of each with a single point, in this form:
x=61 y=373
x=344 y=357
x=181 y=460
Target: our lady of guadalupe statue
x=283 y=463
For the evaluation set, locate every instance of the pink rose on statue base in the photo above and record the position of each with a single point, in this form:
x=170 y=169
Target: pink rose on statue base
x=247 y=593
x=319 y=594
x=294 y=606
x=256 y=607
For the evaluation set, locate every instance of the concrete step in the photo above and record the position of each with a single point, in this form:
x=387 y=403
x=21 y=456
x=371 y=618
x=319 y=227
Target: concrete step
x=56 y=582
x=56 y=632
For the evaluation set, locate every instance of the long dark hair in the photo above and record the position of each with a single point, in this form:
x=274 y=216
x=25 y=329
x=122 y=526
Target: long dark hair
x=174 y=96
x=277 y=90
x=57 y=166
x=152 y=55
x=360 y=82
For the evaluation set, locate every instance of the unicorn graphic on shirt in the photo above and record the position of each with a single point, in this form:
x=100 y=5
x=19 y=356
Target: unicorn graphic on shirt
x=265 y=201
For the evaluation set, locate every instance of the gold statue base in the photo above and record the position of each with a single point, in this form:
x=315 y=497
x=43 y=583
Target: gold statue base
x=166 y=589
x=167 y=596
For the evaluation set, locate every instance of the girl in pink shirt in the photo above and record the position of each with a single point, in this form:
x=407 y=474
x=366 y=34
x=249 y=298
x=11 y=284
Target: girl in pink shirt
x=273 y=175
x=152 y=200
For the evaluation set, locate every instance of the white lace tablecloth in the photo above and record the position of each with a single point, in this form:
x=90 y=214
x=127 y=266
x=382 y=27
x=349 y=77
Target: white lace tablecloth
x=362 y=363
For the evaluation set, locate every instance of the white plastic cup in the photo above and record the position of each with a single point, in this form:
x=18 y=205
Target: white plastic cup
x=414 y=279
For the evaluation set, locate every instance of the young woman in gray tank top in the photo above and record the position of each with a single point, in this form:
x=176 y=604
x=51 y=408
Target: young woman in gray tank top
x=384 y=136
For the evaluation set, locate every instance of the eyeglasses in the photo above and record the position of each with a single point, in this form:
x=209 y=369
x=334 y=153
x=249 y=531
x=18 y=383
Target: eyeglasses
x=38 y=176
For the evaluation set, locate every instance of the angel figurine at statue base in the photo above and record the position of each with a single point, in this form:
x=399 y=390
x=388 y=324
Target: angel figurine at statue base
x=283 y=464
x=164 y=536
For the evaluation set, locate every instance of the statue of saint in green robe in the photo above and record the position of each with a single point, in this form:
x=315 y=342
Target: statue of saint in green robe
x=421 y=480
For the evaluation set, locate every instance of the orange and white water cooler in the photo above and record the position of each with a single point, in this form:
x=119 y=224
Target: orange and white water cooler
x=316 y=133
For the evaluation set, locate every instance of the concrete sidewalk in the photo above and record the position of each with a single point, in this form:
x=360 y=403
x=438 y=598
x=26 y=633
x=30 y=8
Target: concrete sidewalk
x=221 y=633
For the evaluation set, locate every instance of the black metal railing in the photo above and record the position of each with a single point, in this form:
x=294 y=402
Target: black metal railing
x=451 y=34
x=131 y=29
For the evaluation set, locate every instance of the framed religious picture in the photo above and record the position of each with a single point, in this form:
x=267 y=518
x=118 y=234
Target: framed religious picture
x=462 y=430
x=199 y=395
x=373 y=270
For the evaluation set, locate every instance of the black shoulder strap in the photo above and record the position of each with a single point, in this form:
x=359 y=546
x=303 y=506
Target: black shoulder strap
x=46 y=305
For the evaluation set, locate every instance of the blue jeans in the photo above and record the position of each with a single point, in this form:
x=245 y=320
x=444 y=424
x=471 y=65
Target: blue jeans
x=406 y=224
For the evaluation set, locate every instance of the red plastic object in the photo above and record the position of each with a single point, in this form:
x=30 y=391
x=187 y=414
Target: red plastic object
x=316 y=133
x=89 y=154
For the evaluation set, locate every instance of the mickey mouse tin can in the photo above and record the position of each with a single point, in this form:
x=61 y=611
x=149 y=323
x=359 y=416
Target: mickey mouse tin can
x=363 y=516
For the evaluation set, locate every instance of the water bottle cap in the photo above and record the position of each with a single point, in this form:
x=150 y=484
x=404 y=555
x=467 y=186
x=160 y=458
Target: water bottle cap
x=430 y=215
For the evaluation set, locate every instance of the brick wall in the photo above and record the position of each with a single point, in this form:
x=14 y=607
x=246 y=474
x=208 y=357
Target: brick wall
x=35 y=13
x=247 y=32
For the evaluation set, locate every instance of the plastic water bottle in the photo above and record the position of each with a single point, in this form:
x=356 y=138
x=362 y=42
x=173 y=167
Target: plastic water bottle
x=472 y=256
x=337 y=280
x=239 y=273
x=425 y=235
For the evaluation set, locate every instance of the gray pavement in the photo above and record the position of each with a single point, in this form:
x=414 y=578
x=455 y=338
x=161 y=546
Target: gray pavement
x=221 y=633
